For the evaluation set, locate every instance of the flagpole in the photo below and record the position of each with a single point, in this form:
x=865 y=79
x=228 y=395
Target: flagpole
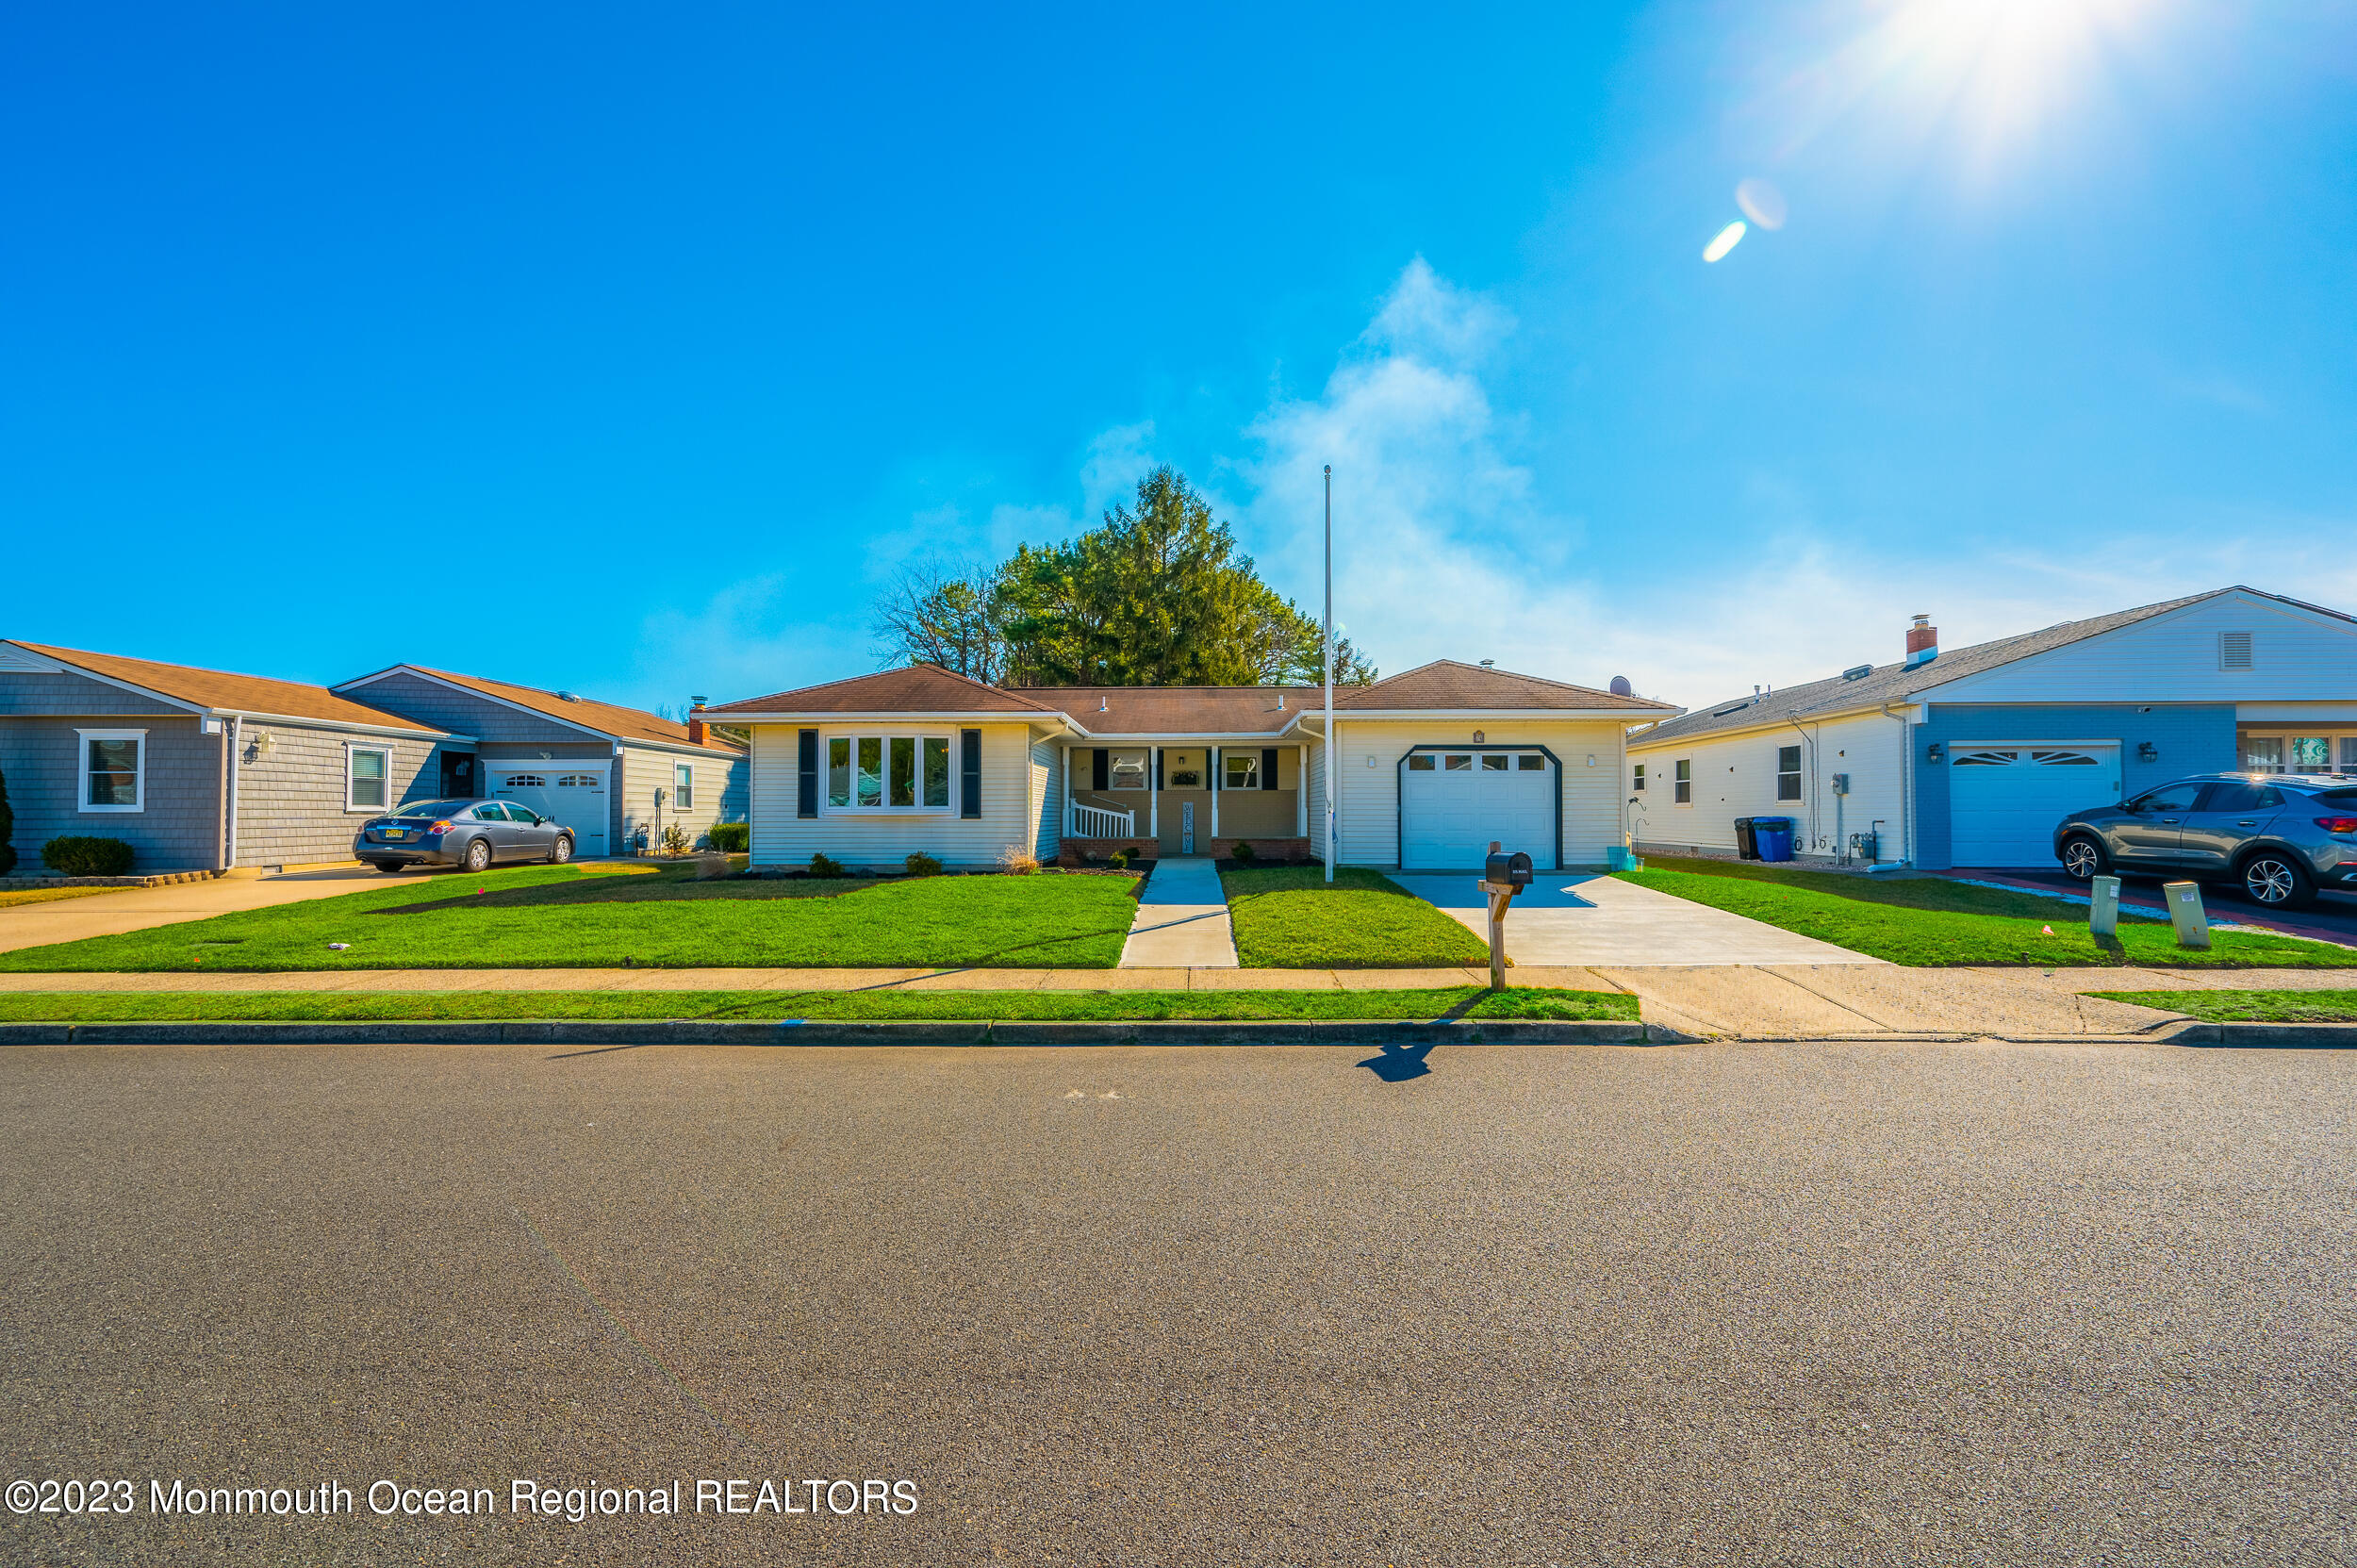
x=1330 y=756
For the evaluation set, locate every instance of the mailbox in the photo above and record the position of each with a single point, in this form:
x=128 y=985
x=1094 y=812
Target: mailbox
x=1509 y=871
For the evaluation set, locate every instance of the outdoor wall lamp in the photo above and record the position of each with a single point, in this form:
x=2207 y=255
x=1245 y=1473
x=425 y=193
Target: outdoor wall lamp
x=2146 y=751
x=1935 y=753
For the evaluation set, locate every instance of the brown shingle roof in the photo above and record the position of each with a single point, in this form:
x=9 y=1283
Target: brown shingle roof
x=214 y=689
x=917 y=688
x=1179 y=710
x=607 y=718
x=1445 y=684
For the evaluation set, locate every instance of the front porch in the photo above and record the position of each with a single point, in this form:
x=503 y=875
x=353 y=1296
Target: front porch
x=1156 y=799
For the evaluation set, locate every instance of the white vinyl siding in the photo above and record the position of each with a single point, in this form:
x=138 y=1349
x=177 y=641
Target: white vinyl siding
x=1367 y=798
x=1046 y=786
x=885 y=838
x=1739 y=775
x=2297 y=655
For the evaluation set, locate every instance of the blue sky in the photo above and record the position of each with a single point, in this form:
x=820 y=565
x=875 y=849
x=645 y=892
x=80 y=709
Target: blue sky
x=631 y=350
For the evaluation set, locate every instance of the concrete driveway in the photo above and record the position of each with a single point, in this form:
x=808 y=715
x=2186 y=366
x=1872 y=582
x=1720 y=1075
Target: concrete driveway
x=1584 y=919
x=137 y=908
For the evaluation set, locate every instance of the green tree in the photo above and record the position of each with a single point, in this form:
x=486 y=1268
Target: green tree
x=1156 y=594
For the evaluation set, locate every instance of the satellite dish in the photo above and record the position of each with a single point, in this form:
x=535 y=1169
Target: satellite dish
x=1621 y=687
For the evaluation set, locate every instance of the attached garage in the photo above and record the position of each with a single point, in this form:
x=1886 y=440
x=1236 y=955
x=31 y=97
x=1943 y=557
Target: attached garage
x=570 y=790
x=1453 y=801
x=2003 y=801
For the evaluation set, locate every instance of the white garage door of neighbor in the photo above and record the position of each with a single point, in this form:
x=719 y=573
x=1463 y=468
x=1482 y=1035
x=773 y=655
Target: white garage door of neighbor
x=567 y=790
x=1453 y=803
x=2003 y=801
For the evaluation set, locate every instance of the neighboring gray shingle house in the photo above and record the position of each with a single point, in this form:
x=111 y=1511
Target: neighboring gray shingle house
x=617 y=776
x=197 y=770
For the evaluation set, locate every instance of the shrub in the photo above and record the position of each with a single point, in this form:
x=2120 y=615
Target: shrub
x=1016 y=861
x=1242 y=851
x=87 y=857
x=1118 y=860
x=675 y=840
x=731 y=838
x=8 y=830
x=822 y=867
x=922 y=865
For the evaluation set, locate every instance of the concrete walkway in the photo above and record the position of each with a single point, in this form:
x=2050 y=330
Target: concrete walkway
x=1181 y=919
x=137 y=908
x=1588 y=919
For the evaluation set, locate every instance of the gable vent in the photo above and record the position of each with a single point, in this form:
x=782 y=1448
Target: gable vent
x=1857 y=672
x=2233 y=650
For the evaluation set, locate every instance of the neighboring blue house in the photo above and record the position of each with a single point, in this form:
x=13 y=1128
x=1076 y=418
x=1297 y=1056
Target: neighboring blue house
x=1969 y=758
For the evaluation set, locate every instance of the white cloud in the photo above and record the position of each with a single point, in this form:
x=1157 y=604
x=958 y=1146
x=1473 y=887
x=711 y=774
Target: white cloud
x=747 y=640
x=1117 y=459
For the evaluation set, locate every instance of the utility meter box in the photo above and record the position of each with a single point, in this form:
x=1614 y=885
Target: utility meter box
x=1508 y=870
x=1841 y=783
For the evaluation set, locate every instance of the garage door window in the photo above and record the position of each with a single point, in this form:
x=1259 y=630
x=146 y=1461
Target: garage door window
x=1459 y=762
x=1420 y=763
x=882 y=773
x=524 y=781
x=1497 y=764
x=1530 y=762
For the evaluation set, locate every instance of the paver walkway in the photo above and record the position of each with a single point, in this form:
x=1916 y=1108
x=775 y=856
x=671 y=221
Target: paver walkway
x=1181 y=919
x=1571 y=918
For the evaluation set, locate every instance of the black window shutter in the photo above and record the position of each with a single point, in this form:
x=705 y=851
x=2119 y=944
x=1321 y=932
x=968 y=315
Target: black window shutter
x=1157 y=771
x=1101 y=771
x=1211 y=757
x=1268 y=768
x=970 y=770
x=806 y=792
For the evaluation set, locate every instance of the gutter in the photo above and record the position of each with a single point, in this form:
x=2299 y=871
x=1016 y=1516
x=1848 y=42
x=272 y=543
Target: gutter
x=1906 y=792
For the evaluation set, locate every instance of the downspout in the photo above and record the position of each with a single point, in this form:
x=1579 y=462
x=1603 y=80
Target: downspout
x=1906 y=769
x=1793 y=717
x=234 y=736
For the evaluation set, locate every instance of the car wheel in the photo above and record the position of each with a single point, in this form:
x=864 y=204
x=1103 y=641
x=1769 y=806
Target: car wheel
x=2082 y=858
x=2276 y=881
x=562 y=851
x=387 y=867
x=479 y=855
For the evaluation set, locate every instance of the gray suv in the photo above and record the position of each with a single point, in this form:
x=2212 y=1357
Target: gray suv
x=2279 y=836
x=471 y=834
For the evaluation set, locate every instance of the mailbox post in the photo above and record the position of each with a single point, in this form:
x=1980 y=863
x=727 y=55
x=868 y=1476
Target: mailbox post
x=1502 y=877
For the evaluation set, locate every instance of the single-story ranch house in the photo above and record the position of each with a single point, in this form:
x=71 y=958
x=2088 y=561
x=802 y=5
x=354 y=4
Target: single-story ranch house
x=1432 y=765
x=1970 y=757
x=198 y=770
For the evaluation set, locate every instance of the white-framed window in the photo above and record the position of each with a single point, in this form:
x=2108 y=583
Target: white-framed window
x=113 y=768
x=683 y=785
x=1638 y=782
x=367 y=775
x=1787 y=772
x=1240 y=769
x=1683 y=778
x=882 y=773
x=1125 y=770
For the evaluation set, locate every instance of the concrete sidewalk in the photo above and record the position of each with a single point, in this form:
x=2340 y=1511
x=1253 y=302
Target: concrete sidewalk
x=1568 y=919
x=111 y=913
x=1181 y=919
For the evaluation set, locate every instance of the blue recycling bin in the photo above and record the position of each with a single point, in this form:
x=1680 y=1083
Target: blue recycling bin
x=1775 y=836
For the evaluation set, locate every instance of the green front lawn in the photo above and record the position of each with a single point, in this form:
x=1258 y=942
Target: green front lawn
x=2258 y=1007
x=580 y=917
x=1464 y=1001
x=1288 y=917
x=1931 y=922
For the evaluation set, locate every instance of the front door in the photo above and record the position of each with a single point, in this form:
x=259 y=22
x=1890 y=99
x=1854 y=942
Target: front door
x=1186 y=827
x=457 y=775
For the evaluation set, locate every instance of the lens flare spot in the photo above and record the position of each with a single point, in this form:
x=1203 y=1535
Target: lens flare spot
x=1762 y=203
x=1723 y=242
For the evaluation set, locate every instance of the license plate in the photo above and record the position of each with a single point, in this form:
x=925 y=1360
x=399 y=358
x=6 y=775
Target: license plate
x=395 y=833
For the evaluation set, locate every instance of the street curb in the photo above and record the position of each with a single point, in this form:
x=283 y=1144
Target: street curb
x=835 y=1032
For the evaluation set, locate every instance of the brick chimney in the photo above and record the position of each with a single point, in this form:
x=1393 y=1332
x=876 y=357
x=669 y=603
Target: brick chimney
x=695 y=720
x=1923 y=642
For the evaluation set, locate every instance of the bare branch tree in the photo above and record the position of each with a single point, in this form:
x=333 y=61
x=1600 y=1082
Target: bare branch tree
x=943 y=615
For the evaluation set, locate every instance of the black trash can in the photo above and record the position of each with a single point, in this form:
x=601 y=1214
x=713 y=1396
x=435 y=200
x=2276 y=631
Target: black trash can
x=1746 y=840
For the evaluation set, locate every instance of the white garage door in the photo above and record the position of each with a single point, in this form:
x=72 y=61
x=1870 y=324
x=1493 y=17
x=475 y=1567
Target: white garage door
x=2003 y=801
x=1453 y=803
x=567 y=790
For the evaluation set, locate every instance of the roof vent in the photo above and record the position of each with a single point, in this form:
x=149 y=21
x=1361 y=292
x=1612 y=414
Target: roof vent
x=1857 y=672
x=1488 y=664
x=1621 y=687
x=1732 y=708
x=569 y=696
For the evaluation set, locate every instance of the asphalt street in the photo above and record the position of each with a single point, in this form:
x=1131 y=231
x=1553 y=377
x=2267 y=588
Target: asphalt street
x=1855 y=1303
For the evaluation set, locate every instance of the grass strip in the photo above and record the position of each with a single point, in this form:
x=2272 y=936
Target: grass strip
x=565 y=918
x=1932 y=923
x=2247 y=1007
x=1288 y=917
x=1079 y=1006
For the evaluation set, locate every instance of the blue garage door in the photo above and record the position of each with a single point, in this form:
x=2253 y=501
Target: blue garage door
x=2003 y=801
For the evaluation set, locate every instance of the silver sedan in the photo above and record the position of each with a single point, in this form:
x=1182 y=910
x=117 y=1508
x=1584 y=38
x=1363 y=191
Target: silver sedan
x=472 y=833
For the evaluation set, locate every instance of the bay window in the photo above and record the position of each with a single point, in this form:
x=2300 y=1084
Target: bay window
x=888 y=772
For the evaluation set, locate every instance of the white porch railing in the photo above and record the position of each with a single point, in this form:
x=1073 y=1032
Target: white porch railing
x=1097 y=822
